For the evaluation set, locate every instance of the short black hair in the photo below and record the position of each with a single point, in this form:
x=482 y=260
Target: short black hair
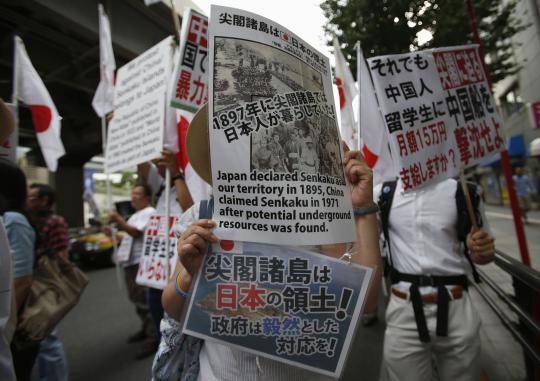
x=45 y=190
x=147 y=189
x=12 y=188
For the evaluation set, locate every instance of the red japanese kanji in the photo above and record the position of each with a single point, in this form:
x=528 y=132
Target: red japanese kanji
x=184 y=82
x=253 y=297
x=198 y=31
x=227 y=297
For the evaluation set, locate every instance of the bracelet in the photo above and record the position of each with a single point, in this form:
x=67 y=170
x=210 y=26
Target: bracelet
x=179 y=176
x=178 y=286
x=365 y=211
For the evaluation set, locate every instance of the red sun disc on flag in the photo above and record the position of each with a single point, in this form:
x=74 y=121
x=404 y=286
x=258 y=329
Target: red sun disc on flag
x=41 y=115
x=226 y=245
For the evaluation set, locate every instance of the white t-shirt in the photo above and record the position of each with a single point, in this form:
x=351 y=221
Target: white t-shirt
x=6 y=278
x=139 y=219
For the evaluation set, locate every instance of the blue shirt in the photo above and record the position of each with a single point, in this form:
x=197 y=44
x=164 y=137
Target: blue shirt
x=22 y=240
x=524 y=185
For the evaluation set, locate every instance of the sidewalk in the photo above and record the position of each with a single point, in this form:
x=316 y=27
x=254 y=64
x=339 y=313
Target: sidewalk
x=501 y=223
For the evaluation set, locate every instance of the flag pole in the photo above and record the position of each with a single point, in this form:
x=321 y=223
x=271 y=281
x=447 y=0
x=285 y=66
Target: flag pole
x=16 y=65
x=101 y=12
x=15 y=90
x=175 y=21
x=358 y=80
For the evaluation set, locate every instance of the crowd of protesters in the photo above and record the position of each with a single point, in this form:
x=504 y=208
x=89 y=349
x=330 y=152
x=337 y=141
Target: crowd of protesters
x=432 y=327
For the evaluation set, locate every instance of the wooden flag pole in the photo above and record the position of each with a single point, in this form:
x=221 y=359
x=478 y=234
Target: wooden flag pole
x=470 y=208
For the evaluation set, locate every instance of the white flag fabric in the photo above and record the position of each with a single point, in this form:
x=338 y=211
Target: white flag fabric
x=347 y=92
x=372 y=128
x=104 y=96
x=33 y=92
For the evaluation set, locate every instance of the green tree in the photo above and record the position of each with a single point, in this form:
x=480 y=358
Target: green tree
x=391 y=26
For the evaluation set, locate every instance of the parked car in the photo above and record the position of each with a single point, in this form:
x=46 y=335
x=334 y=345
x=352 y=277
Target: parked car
x=90 y=245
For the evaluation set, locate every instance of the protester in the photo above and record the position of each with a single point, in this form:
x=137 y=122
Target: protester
x=7 y=126
x=53 y=240
x=179 y=200
x=7 y=123
x=432 y=327
x=141 y=197
x=22 y=239
x=524 y=188
x=220 y=362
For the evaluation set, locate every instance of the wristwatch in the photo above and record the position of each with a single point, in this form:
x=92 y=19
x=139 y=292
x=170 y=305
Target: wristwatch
x=178 y=176
x=365 y=211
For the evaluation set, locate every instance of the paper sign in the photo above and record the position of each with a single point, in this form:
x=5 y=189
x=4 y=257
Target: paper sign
x=287 y=304
x=124 y=251
x=136 y=132
x=439 y=113
x=274 y=140
x=153 y=271
x=191 y=71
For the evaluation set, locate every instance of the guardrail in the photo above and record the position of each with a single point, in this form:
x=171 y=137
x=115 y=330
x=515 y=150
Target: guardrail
x=525 y=304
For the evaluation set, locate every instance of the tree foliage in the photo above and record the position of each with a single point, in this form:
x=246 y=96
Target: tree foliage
x=392 y=26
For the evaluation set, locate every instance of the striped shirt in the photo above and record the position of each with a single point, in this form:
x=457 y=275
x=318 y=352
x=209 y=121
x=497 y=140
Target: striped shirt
x=53 y=233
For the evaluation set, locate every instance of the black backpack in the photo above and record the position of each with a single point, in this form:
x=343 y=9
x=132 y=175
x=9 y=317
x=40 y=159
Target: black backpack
x=463 y=224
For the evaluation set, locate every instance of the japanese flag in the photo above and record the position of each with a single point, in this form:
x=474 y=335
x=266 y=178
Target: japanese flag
x=46 y=120
x=197 y=187
x=371 y=126
x=104 y=96
x=347 y=92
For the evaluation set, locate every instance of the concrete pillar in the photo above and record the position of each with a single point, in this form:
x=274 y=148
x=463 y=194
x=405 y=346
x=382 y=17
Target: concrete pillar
x=68 y=182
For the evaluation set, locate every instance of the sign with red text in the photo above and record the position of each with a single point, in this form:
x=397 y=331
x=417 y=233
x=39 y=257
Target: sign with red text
x=288 y=304
x=439 y=113
x=153 y=267
x=190 y=90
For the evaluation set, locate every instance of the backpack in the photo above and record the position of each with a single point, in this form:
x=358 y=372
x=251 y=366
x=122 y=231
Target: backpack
x=177 y=358
x=463 y=223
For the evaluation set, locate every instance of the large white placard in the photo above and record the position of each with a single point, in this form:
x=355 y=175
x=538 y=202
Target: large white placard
x=136 y=131
x=439 y=113
x=274 y=140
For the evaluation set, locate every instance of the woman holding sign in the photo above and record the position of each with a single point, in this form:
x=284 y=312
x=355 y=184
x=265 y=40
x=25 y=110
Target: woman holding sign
x=220 y=362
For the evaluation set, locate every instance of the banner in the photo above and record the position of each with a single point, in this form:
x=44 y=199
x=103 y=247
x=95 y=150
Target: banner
x=153 y=264
x=8 y=150
x=276 y=149
x=438 y=111
x=190 y=74
x=287 y=304
x=136 y=132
